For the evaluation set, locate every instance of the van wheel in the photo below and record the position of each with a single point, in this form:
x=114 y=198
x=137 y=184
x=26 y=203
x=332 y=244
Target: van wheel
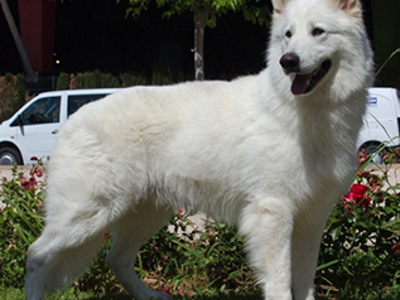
x=373 y=149
x=9 y=156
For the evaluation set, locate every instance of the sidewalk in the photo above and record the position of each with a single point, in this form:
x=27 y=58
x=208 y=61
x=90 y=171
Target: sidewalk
x=5 y=171
x=393 y=177
x=393 y=174
x=198 y=220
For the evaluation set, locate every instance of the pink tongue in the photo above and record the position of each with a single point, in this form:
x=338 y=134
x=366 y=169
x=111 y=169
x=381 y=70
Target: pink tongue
x=299 y=85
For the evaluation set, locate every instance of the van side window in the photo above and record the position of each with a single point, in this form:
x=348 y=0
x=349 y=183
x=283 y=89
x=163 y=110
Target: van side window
x=77 y=101
x=45 y=110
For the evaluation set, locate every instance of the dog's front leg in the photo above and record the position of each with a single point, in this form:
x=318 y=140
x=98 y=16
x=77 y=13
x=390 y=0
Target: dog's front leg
x=267 y=224
x=307 y=232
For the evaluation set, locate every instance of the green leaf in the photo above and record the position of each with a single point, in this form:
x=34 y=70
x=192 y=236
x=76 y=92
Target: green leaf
x=327 y=265
x=335 y=233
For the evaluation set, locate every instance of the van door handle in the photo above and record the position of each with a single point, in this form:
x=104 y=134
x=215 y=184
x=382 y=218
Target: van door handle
x=55 y=131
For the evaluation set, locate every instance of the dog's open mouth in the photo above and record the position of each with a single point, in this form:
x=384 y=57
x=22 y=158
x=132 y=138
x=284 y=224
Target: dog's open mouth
x=305 y=83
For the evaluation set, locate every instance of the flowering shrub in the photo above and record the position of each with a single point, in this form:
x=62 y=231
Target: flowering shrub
x=178 y=265
x=20 y=222
x=391 y=156
x=181 y=265
x=360 y=252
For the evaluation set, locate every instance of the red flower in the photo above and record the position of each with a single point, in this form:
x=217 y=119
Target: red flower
x=180 y=212
x=362 y=156
x=395 y=250
x=359 y=189
x=103 y=238
x=36 y=172
x=357 y=195
x=28 y=184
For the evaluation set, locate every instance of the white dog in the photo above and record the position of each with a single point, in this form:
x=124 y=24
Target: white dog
x=272 y=152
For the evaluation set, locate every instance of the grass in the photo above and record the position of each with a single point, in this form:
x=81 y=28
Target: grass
x=73 y=294
x=70 y=294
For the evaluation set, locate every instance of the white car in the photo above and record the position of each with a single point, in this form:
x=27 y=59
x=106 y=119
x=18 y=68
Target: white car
x=30 y=133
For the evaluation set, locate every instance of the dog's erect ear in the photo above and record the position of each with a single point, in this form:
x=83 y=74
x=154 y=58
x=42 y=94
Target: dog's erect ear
x=351 y=7
x=279 y=5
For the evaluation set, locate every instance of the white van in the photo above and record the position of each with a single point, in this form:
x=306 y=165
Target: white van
x=30 y=133
x=382 y=121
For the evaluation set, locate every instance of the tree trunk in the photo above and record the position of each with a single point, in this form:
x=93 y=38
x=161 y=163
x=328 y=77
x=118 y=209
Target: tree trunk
x=200 y=20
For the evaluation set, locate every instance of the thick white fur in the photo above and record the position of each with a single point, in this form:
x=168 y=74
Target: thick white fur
x=247 y=151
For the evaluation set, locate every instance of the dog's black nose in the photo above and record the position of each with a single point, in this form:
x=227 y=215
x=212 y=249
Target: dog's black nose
x=290 y=62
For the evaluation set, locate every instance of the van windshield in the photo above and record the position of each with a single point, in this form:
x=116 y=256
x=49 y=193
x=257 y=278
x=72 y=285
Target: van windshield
x=42 y=111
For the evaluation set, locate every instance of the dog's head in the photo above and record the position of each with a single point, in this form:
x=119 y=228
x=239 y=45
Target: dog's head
x=312 y=41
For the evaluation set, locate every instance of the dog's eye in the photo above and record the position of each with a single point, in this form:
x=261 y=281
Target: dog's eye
x=317 y=31
x=288 y=34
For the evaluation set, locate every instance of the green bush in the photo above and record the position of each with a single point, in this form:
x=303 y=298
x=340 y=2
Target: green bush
x=360 y=252
x=97 y=79
x=179 y=264
x=209 y=264
x=132 y=79
x=212 y=263
x=63 y=81
x=20 y=222
x=161 y=76
x=12 y=95
x=87 y=80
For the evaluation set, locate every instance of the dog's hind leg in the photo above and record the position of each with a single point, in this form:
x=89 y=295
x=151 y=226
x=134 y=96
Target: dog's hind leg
x=128 y=235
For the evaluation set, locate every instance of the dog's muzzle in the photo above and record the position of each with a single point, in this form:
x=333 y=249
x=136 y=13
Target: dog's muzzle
x=303 y=83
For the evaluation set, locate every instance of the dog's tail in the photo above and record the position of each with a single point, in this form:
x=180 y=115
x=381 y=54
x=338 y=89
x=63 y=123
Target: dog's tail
x=67 y=246
x=52 y=265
